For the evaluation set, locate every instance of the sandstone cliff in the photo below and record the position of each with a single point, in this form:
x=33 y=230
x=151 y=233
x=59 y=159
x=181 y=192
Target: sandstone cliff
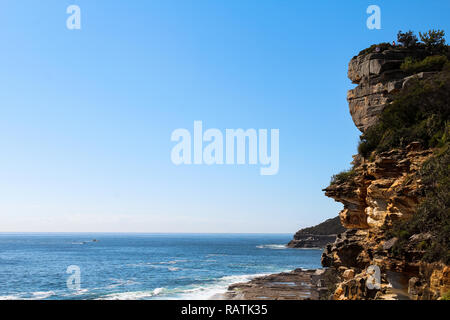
x=380 y=190
x=379 y=77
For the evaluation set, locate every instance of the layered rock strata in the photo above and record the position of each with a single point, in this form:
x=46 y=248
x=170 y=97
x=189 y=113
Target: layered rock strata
x=380 y=191
x=378 y=76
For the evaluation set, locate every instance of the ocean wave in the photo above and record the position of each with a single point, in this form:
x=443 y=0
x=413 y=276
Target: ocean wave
x=78 y=292
x=159 y=264
x=272 y=246
x=10 y=297
x=173 y=268
x=192 y=292
x=121 y=282
x=39 y=295
x=242 y=278
x=173 y=261
x=207 y=291
x=134 y=295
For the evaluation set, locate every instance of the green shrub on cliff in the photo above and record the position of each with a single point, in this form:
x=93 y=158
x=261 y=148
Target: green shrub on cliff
x=430 y=63
x=446 y=296
x=407 y=39
x=419 y=112
x=431 y=42
x=382 y=46
x=344 y=176
x=433 y=39
x=433 y=213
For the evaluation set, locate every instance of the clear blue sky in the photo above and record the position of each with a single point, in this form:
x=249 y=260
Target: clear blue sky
x=86 y=115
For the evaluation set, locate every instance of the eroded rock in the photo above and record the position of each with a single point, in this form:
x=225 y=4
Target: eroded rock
x=378 y=76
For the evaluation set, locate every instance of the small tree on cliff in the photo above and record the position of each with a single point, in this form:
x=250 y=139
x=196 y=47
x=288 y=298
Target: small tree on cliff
x=433 y=39
x=407 y=39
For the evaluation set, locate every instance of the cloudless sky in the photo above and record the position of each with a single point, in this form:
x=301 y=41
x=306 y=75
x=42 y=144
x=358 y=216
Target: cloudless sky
x=86 y=115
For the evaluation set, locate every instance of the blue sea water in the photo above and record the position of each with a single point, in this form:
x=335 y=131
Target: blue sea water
x=141 y=266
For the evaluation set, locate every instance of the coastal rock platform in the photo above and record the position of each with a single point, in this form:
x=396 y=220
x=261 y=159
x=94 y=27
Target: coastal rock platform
x=299 y=284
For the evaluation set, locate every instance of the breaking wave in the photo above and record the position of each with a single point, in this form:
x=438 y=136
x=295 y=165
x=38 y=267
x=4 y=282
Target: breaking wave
x=272 y=246
x=194 y=292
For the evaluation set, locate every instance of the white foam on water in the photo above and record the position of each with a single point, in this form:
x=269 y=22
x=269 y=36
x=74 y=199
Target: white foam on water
x=172 y=261
x=158 y=291
x=272 y=246
x=121 y=282
x=79 y=292
x=202 y=292
x=39 y=295
x=173 y=269
x=160 y=264
x=208 y=291
x=10 y=297
x=134 y=295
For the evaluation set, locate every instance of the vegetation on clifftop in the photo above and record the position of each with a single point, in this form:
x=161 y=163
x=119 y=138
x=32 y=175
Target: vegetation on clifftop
x=328 y=227
x=430 y=63
x=420 y=112
x=343 y=176
x=432 y=42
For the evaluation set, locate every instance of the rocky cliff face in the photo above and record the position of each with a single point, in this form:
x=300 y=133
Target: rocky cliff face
x=380 y=191
x=378 y=77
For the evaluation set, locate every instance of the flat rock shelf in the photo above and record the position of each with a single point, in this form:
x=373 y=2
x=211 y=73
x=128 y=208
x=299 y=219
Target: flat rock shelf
x=295 y=285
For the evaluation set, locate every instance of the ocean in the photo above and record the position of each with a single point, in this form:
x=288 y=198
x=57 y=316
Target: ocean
x=140 y=266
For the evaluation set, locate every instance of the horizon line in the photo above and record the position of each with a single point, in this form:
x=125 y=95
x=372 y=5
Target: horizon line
x=139 y=232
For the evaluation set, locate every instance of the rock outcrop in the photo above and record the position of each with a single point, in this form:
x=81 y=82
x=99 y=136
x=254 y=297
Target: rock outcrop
x=383 y=189
x=378 y=76
x=298 y=284
x=380 y=191
x=317 y=236
x=311 y=241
